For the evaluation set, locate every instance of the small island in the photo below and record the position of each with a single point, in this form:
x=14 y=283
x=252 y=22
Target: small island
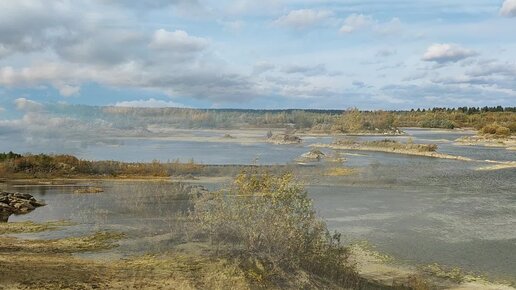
x=492 y=135
x=284 y=139
x=391 y=146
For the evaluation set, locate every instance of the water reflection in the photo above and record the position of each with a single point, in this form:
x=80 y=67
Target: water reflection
x=418 y=209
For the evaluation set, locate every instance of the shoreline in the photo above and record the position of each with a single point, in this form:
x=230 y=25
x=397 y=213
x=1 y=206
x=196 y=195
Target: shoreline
x=509 y=143
x=381 y=269
x=359 y=147
x=374 y=268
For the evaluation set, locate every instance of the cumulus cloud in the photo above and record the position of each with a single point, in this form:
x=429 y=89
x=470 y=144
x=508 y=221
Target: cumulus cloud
x=447 y=53
x=66 y=44
x=27 y=26
x=67 y=90
x=508 y=8
x=303 y=18
x=177 y=41
x=149 y=103
x=355 y=22
x=24 y=104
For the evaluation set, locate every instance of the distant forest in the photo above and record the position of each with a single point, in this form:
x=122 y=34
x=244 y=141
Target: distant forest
x=311 y=120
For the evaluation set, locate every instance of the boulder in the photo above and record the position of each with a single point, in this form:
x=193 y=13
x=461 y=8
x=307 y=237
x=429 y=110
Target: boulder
x=314 y=155
x=16 y=203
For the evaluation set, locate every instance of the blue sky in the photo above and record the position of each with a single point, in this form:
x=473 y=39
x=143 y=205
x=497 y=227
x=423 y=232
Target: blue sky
x=328 y=54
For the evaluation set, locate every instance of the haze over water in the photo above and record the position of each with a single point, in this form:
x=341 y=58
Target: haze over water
x=419 y=210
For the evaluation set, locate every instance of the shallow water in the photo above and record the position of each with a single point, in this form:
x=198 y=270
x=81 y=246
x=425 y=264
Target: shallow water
x=419 y=210
x=224 y=152
x=422 y=211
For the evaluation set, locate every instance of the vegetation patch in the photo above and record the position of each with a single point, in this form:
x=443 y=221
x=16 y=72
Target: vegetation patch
x=390 y=145
x=14 y=165
x=454 y=274
x=340 y=171
x=30 y=227
x=268 y=223
x=90 y=189
x=496 y=130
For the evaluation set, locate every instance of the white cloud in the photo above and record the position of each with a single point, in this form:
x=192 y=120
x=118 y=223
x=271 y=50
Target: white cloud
x=177 y=41
x=508 y=8
x=303 y=18
x=150 y=103
x=67 y=90
x=446 y=53
x=355 y=22
x=2 y=110
x=24 y=104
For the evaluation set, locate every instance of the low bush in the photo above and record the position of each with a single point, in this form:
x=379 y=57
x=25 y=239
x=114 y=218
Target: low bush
x=437 y=123
x=44 y=165
x=495 y=129
x=269 y=218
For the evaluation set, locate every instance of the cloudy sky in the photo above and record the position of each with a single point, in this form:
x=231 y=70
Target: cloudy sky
x=372 y=54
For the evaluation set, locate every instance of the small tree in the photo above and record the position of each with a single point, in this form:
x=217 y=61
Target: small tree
x=270 y=218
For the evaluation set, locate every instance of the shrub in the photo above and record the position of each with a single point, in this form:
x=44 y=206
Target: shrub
x=269 y=218
x=512 y=127
x=503 y=131
x=437 y=123
x=495 y=129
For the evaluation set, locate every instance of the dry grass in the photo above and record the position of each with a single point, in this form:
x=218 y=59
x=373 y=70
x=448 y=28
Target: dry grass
x=340 y=171
x=30 y=227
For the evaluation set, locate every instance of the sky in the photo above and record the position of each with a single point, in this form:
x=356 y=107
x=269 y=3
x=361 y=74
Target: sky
x=325 y=54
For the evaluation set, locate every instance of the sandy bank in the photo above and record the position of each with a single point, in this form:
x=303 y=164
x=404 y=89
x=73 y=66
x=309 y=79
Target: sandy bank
x=380 y=269
x=362 y=147
x=508 y=143
x=497 y=165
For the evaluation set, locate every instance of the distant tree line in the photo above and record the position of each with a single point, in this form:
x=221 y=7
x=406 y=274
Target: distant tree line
x=469 y=110
x=322 y=121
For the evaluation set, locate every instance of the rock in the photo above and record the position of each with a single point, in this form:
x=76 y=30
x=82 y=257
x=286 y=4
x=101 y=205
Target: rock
x=37 y=203
x=5 y=207
x=22 y=195
x=16 y=203
x=313 y=155
x=284 y=139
